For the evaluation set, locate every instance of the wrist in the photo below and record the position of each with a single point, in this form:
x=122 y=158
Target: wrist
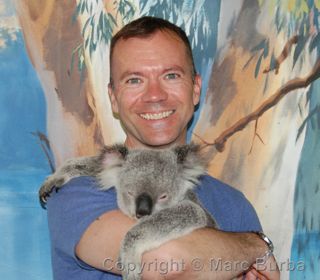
x=269 y=247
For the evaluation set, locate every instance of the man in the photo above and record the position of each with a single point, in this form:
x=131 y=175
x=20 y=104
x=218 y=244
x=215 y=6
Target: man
x=153 y=90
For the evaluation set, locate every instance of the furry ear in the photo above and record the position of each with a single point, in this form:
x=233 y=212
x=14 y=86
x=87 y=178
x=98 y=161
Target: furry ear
x=193 y=163
x=111 y=159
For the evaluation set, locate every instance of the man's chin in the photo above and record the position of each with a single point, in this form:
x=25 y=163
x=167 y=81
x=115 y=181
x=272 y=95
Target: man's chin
x=163 y=142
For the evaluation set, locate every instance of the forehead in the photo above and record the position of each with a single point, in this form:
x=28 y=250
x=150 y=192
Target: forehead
x=160 y=48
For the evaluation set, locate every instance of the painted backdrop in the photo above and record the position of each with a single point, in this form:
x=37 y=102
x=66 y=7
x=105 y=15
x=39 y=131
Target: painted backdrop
x=260 y=108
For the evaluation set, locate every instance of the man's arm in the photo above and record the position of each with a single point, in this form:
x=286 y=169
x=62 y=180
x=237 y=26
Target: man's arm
x=99 y=246
x=203 y=254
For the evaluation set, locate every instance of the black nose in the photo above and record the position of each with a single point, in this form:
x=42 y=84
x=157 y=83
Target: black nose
x=143 y=205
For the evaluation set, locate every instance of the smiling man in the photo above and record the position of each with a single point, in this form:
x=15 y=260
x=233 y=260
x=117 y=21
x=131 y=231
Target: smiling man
x=153 y=90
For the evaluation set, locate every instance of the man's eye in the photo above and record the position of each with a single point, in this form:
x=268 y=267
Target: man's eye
x=133 y=81
x=172 y=76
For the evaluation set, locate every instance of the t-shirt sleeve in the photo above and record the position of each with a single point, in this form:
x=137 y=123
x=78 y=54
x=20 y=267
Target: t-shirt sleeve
x=249 y=220
x=230 y=208
x=71 y=210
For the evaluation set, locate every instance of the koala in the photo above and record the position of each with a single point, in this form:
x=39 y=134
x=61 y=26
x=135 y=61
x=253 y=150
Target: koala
x=153 y=186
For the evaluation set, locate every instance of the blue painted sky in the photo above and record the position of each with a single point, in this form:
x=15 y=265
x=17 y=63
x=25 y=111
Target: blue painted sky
x=22 y=107
x=24 y=242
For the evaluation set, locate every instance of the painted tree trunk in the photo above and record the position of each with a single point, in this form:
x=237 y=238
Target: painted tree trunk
x=78 y=111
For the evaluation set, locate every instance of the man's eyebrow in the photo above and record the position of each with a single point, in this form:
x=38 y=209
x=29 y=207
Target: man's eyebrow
x=174 y=68
x=165 y=70
x=130 y=73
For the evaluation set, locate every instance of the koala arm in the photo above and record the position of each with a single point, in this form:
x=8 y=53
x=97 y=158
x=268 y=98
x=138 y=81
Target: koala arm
x=104 y=166
x=75 y=167
x=100 y=246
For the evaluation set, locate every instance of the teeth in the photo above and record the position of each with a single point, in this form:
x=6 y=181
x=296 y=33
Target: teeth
x=157 y=116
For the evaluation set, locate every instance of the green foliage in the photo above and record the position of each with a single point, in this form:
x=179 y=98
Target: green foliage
x=190 y=15
x=293 y=17
x=99 y=26
x=315 y=42
x=299 y=49
x=256 y=71
x=126 y=9
x=314 y=112
x=262 y=49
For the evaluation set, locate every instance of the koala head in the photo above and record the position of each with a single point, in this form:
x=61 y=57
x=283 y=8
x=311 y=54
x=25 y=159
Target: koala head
x=147 y=181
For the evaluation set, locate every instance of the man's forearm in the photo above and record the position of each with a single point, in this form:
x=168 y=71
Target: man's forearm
x=204 y=254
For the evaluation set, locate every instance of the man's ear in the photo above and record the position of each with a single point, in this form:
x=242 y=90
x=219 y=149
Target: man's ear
x=113 y=99
x=196 y=89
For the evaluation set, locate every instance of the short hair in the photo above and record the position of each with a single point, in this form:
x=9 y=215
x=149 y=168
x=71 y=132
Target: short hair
x=146 y=26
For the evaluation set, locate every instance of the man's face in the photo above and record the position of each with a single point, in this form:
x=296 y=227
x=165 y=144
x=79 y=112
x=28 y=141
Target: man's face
x=153 y=92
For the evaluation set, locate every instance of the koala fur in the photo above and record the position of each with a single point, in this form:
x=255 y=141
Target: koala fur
x=153 y=186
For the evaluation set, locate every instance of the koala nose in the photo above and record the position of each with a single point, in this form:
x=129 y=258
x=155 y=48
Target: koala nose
x=143 y=205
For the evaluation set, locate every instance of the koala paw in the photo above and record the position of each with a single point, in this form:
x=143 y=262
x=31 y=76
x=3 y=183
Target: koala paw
x=52 y=182
x=131 y=267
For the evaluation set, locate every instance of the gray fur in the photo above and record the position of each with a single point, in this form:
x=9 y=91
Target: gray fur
x=156 y=182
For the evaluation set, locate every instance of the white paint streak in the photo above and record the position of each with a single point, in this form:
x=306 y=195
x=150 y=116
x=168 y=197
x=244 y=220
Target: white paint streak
x=275 y=194
x=98 y=71
x=229 y=11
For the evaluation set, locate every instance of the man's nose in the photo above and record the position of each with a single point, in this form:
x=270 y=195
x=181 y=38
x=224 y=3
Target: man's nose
x=143 y=205
x=154 y=92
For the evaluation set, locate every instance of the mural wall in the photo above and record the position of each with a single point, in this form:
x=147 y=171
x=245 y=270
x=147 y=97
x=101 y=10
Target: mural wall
x=260 y=108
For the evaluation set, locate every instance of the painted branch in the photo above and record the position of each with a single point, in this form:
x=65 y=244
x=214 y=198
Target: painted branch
x=290 y=86
x=45 y=147
x=284 y=54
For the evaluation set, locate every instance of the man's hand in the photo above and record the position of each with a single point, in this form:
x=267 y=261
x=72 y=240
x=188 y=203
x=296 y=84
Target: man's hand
x=268 y=270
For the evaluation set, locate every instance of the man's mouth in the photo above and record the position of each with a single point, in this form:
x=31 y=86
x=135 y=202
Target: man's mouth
x=157 y=116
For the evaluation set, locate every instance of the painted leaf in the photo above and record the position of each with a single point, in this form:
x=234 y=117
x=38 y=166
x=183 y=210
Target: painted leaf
x=110 y=17
x=266 y=49
x=299 y=48
x=259 y=46
x=256 y=71
x=85 y=27
x=248 y=62
x=315 y=42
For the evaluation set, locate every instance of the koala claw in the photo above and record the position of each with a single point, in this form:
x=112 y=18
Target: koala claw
x=43 y=200
x=48 y=186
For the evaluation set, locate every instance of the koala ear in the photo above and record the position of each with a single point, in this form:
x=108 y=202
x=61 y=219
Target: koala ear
x=111 y=160
x=193 y=163
x=113 y=155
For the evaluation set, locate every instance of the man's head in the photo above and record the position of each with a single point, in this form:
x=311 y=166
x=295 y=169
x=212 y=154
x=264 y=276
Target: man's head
x=146 y=26
x=154 y=87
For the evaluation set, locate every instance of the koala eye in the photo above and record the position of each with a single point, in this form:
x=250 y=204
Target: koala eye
x=163 y=197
